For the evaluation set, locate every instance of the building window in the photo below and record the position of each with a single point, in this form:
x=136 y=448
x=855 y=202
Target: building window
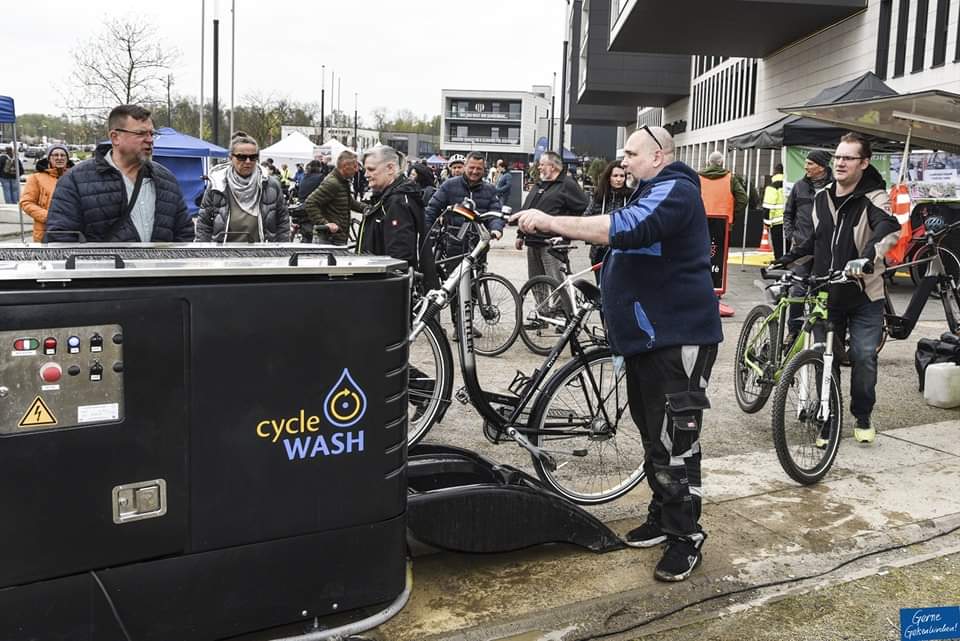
x=494 y=132
x=920 y=35
x=940 y=32
x=513 y=133
x=515 y=109
x=903 y=20
x=461 y=132
x=495 y=107
x=883 y=38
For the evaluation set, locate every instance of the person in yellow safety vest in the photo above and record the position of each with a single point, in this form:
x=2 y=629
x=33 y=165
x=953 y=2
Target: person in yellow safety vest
x=774 y=201
x=722 y=192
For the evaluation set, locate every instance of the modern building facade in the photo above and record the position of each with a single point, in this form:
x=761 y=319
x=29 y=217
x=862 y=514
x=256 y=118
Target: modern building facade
x=499 y=124
x=749 y=58
x=412 y=145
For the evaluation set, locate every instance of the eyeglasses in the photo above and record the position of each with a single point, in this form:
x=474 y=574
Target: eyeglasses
x=143 y=133
x=247 y=157
x=646 y=128
x=846 y=159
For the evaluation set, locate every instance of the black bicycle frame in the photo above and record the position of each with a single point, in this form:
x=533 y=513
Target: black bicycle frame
x=480 y=398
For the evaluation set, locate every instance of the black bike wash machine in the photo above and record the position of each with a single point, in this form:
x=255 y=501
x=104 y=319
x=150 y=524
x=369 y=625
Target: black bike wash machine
x=200 y=443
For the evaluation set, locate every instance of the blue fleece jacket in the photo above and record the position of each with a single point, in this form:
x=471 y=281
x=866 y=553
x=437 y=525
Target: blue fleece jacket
x=657 y=289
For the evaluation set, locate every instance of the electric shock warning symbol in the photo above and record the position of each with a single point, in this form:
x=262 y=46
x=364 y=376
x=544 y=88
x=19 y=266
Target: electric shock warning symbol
x=346 y=403
x=39 y=415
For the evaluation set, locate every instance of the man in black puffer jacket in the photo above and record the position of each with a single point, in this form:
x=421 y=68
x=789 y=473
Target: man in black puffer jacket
x=120 y=195
x=452 y=192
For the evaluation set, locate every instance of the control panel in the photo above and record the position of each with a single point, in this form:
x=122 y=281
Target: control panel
x=60 y=377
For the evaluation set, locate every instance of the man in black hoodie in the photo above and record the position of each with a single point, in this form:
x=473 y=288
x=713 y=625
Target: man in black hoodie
x=393 y=223
x=852 y=227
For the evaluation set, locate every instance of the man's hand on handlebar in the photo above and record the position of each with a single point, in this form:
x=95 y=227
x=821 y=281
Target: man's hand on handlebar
x=496 y=234
x=858 y=267
x=333 y=228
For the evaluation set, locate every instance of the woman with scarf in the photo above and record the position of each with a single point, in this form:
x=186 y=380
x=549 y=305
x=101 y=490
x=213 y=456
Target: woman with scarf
x=38 y=191
x=241 y=203
x=612 y=193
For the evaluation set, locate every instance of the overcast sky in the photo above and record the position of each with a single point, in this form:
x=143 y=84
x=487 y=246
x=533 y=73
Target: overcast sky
x=396 y=54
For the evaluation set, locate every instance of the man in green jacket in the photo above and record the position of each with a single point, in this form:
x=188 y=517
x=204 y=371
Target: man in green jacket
x=331 y=203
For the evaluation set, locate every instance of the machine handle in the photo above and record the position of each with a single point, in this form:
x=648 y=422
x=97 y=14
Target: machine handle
x=295 y=258
x=72 y=260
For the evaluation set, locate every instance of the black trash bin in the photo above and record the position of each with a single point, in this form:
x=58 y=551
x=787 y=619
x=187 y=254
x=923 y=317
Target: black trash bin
x=198 y=448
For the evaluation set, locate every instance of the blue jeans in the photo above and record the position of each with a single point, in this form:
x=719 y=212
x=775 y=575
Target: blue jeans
x=865 y=324
x=11 y=190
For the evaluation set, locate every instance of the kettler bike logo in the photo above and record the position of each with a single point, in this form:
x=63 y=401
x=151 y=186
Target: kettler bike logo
x=305 y=435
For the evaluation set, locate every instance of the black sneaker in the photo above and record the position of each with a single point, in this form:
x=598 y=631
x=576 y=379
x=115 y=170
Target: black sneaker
x=681 y=558
x=645 y=536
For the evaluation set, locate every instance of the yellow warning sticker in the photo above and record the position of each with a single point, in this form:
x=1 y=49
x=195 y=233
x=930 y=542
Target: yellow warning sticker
x=39 y=415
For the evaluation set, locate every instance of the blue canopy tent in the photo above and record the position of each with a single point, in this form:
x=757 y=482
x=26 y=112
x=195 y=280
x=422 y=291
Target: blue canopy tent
x=568 y=156
x=8 y=114
x=186 y=157
x=436 y=159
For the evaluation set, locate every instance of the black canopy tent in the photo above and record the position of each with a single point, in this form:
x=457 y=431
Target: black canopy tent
x=798 y=131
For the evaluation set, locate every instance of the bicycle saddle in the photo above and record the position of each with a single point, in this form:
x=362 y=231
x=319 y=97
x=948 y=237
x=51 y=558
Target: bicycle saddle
x=590 y=291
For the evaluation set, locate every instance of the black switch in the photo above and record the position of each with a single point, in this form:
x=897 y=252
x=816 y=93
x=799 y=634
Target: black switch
x=73 y=370
x=96 y=343
x=118 y=367
x=117 y=339
x=96 y=371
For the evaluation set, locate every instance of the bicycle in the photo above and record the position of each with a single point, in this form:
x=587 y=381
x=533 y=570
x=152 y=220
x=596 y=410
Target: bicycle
x=546 y=304
x=574 y=423
x=940 y=278
x=496 y=299
x=807 y=438
x=761 y=354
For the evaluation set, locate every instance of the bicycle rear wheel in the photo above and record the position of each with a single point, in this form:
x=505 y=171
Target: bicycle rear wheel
x=951 y=265
x=496 y=315
x=583 y=421
x=430 y=380
x=542 y=319
x=950 y=297
x=756 y=344
x=806 y=446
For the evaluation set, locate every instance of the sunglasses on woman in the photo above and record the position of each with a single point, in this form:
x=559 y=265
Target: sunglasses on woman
x=247 y=157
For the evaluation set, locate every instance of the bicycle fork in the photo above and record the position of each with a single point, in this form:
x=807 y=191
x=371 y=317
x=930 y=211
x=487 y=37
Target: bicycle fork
x=823 y=414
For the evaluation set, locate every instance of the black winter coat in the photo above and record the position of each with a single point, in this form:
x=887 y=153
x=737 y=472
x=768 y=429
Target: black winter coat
x=797 y=213
x=453 y=191
x=393 y=226
x=215 y=213
x=91 y=199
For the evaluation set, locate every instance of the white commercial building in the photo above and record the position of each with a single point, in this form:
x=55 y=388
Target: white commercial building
x=499 y=124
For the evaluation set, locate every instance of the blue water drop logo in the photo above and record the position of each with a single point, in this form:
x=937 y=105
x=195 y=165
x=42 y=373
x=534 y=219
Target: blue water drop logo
x=346 y=403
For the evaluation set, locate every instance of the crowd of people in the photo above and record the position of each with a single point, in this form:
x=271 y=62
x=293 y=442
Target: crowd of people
x=646 y=221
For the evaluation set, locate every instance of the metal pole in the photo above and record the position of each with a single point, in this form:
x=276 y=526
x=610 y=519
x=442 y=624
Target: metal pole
x=16 y=169
x=339 y=92
x=203 y=17
x=563 y=95
x=216 y=82
x=323 y=94
x=233 y=56
x=746 y=214
x=356 y=145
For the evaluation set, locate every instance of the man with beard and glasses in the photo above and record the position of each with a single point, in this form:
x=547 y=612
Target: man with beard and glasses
x=120 y=195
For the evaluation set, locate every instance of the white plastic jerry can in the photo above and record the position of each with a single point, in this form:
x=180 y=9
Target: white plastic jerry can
x=941 y=386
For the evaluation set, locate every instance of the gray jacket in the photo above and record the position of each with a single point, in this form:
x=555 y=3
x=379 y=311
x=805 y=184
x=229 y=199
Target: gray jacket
x=797 y=213
x=215 y=211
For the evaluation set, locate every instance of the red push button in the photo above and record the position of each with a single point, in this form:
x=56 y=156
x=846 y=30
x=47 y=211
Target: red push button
x=51 y=372
x=50 y=346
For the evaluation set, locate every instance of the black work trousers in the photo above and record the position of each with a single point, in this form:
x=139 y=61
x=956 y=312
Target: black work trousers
x=666 y=390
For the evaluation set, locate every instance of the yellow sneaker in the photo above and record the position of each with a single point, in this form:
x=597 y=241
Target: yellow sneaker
x=864 y=434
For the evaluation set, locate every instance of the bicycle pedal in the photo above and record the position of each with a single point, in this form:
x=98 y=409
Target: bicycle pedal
x=462 y=396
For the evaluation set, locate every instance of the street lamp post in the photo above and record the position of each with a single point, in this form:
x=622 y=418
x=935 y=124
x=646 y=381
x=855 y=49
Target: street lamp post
x=323 y=94
x=355 y=143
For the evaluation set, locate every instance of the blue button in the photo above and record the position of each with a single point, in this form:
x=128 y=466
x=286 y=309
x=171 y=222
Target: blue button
x=73 y=341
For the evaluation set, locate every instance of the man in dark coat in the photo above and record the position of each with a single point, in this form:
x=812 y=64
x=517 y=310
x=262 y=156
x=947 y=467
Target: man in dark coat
x=393 y=223
x=120 y=195
x=331 y=203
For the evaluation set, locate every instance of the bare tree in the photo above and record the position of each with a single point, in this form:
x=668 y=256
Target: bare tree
x=123 y=64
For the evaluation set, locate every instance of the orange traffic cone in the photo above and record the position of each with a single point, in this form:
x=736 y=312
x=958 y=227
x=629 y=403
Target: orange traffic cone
x=765 y=241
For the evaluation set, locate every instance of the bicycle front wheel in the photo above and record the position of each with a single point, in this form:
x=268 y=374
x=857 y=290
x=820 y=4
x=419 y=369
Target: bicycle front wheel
x=754 y=351
x=496 y=315
x=583 y=421
x=543 y=321
x=950 y=297
x=430 y=371
x=806 y=445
